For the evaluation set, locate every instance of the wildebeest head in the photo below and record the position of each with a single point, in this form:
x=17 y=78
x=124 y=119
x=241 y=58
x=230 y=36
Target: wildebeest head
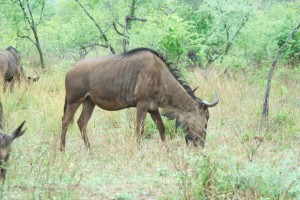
x=197 y=124
x=5 y=146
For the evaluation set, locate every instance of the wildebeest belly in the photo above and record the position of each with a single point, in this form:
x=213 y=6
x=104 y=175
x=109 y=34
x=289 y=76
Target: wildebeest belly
x=113 y=106
x=109 y=99
x=113 y=91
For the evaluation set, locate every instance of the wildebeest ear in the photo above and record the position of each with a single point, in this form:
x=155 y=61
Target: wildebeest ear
x=18 y=132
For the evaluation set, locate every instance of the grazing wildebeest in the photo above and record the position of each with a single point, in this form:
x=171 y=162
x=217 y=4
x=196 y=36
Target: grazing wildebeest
x=178 y=124
x=10 y=66
x=5 y=142
x=138 y=78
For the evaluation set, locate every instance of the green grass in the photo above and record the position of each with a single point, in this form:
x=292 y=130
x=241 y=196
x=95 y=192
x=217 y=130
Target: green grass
x=114 y=168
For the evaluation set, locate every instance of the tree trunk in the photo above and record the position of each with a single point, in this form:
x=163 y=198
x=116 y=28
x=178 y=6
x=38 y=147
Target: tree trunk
x=38 y=46
x=127 y=25
x=29 y=18
x=265 y=110
x=98 y=27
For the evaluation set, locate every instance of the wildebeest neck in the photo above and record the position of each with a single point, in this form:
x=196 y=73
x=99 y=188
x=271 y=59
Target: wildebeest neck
x=175 y=97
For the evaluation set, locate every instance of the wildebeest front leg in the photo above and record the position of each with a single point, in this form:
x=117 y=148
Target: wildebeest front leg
x=87 y=110
x=159 y=124
x=66 y=119
x=141 y=112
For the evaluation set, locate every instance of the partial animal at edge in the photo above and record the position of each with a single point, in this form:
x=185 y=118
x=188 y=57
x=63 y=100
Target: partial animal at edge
x=11 y=69
x=5 y=147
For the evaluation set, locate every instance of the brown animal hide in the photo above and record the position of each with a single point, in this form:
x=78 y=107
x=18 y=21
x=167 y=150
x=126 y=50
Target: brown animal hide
x=138 y=78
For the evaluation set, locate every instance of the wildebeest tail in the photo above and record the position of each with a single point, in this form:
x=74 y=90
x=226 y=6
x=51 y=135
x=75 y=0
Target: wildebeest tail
x=65 y=106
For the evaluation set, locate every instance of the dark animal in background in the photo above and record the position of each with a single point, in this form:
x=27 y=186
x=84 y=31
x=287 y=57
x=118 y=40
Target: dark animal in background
x=138 y=78
x=5 y=143
x=11 y=69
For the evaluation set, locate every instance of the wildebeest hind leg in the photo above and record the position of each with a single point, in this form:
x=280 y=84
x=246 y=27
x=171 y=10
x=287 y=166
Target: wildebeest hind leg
x=159 y=124
x=66 y=119
x=87 y=110
x=141 y=112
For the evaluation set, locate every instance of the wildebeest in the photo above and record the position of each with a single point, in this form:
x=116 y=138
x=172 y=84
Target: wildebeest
x=5 y=143
x=10 y=66
x=138 y=78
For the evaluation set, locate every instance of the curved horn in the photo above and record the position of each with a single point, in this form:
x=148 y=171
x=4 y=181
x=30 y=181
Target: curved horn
x=34 y=79
x=212 y=104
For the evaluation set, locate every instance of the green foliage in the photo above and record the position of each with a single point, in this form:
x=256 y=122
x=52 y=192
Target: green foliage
x=218 y=24
x=270 y=181
x=267 y=31
x=174 y=40
x=291 y=53
x=123 y=196
x=282 y=118
x=232 y=62
x=234 y=33
x=209 y=177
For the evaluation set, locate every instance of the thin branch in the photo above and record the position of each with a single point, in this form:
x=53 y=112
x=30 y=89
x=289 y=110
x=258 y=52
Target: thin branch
x=268 y=87
x=108 y=28
x=137 y=19
x=27 y=37
x=131 y=14
x=26 y=18
x=93 y=45
x=214 y=7
x=115 y=17
x=115 y=27
x=41 y=13
x=31 y=16
x=242 y=25
x=98 y=27
x=230 y=41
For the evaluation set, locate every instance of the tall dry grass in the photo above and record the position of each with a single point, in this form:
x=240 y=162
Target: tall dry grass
x=233 y=165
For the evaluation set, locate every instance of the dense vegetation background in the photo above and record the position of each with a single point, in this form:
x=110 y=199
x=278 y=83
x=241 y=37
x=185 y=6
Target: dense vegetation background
x=232 y=34
x=223 y=45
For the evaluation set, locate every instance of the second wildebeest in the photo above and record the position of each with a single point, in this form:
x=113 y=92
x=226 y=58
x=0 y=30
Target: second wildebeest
x=11 y=69
x=5 y=147
x=138 y=78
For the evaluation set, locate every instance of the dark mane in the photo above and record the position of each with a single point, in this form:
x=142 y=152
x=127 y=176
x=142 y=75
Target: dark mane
x=137 y=50
x=173 y=69
x=178 y=76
